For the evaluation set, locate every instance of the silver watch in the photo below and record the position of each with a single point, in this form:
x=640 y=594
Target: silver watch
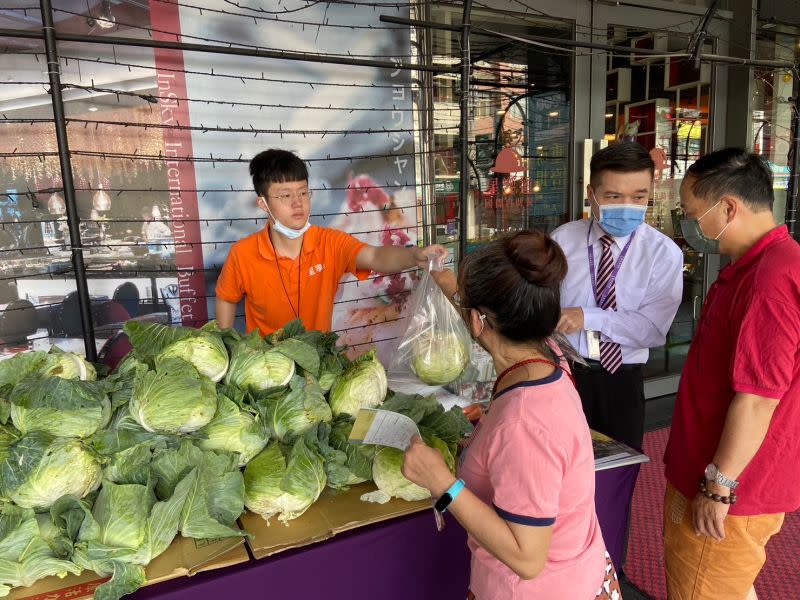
x=713 y=474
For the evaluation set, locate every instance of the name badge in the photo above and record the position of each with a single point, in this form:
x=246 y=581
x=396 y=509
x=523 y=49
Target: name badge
x=593 y=338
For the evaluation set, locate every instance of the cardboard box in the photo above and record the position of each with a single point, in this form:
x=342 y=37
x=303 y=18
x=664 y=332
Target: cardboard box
x=333 y=513
x=185 y=557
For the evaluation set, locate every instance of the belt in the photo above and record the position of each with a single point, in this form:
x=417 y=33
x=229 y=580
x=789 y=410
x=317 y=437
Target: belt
x=594 y=365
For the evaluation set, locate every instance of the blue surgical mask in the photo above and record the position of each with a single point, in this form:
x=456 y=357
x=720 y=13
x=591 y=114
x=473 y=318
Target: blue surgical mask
x=620 y=220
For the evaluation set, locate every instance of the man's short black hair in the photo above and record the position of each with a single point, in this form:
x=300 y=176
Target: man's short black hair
x=276 y=166
x=733 y=172
x=622 y=157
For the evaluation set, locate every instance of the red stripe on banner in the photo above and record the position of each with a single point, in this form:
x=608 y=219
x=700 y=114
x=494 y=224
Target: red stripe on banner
x=165 y=16
x=81 y=590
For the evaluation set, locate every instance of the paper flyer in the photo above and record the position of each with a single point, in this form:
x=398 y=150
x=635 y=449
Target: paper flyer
x=383 y=428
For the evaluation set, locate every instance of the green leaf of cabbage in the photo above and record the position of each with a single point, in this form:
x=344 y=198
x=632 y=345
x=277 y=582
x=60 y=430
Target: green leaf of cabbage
x=346 y=464
x=25 y=557
x=297 y=411
x=150 y=339
x=215 y=499
x=275 y=485
x=451 y=426
x=304 y=354
x=20 y=367
x=234 y=430
x=60 y=407
x=125 y=530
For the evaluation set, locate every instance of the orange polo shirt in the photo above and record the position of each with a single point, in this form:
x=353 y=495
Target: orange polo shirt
x=270 y=283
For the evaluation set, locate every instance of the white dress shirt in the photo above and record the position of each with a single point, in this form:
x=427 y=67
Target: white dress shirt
x=649 y=288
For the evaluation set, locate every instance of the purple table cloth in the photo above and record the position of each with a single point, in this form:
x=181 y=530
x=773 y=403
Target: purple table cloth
x=402 y=559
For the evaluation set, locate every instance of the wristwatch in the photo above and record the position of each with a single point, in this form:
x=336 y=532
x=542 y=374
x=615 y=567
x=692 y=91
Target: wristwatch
x=447 y=498
x=713 y=474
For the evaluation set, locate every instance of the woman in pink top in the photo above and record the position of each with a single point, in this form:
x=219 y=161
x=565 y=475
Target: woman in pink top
x=528 y=502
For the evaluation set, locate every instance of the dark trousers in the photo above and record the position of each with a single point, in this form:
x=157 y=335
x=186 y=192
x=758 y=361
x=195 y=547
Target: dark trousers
x=613 y=403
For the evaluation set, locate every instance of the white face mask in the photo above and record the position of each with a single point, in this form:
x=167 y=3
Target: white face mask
x=290 y=233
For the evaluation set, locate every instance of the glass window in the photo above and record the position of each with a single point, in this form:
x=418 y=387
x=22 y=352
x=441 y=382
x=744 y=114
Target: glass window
x=520 y=101
x=772 y=110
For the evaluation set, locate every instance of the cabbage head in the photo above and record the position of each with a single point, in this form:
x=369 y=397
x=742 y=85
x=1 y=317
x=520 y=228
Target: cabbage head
x=205 y=351
x=39 y=469
x=362 y=385
x=68 y=365
x=386 y=472
x=388 y=476
x=61 y=407
x=439 y=358
x=234 y=430
x=284 y=482
x=296 y=412
x=256 y=369
x=174 y=399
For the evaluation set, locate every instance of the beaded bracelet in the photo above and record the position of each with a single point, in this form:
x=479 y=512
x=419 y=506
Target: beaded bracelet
x=716 y=497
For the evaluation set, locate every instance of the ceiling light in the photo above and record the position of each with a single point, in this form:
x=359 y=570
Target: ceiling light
x=101 y=201
x=554 y=113
x=104 y=20
x=93 y=109
x=56 y=204
x=609 y=115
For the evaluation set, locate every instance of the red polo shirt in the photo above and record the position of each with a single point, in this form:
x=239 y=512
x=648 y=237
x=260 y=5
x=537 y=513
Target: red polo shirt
x=747 y=341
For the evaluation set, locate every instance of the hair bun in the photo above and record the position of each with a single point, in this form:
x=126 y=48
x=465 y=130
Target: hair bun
x=537 y=258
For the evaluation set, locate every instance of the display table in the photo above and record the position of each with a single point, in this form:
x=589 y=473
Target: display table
x=401 y=559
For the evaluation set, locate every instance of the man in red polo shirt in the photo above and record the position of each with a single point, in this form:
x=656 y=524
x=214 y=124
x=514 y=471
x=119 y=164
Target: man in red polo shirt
x=733 y=457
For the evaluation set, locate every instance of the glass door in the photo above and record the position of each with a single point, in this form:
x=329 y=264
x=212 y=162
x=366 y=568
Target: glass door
x=527 y=102
x=668 y=106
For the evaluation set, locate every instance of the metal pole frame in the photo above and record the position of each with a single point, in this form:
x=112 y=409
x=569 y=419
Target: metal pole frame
x=227 y=50
x=566 y=43
x=464 y=129
x=64 y=157
x=793 y=199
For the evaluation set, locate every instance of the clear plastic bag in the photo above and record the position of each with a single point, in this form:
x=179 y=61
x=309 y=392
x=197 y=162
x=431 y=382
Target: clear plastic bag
x=436 y=346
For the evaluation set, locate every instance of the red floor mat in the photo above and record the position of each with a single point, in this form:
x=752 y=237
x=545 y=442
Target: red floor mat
x=780 y=578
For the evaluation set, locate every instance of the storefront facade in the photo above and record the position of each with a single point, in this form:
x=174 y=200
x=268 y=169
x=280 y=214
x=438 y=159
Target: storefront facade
x=160 y=141
x=554 y=104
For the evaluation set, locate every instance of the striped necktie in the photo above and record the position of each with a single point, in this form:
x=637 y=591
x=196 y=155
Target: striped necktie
x=610 y=352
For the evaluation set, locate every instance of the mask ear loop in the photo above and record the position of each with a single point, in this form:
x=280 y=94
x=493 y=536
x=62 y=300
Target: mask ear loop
x=265 y=208
x=482 y=319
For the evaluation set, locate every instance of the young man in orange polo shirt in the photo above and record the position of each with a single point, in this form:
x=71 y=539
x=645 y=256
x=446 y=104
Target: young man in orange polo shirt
x=291 y=269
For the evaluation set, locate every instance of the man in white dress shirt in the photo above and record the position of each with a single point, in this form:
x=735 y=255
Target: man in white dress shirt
x=621 y=292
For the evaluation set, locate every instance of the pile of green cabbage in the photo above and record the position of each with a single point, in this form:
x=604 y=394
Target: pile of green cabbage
x=101 y=471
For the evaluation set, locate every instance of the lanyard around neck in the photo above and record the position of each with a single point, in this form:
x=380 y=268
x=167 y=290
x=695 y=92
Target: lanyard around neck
x=299 y=273
x=603 y=296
